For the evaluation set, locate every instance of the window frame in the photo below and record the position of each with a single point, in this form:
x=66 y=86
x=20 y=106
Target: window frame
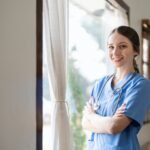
x=39 y=74
x=39 y=68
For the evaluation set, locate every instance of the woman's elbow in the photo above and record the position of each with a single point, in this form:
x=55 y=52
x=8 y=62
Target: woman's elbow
x=118 y=125
x=114 y=129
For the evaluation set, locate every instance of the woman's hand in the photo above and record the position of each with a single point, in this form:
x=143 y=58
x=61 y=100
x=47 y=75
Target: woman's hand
x=87 y=115
x=120 y=111
x=88 y=109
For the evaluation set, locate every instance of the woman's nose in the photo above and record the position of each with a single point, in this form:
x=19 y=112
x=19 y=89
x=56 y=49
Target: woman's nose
x=116 y=51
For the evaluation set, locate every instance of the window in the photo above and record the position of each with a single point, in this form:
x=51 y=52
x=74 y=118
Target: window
x=145 y=48
x=89 y=27
x=146 y=54
x=39 y=73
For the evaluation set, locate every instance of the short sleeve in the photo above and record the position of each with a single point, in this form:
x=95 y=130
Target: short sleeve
x=137 y=100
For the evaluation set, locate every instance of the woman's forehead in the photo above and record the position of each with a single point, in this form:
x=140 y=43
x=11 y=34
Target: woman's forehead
x=116 y=38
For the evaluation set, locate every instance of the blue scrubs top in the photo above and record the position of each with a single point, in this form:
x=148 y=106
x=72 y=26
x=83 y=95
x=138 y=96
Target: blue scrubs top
x=134 y=91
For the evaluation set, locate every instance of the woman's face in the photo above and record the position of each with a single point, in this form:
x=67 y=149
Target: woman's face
x=120 y=51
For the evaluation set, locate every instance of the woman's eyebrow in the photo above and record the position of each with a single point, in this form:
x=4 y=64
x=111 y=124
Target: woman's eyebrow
x=118 y=43
x=122 y=43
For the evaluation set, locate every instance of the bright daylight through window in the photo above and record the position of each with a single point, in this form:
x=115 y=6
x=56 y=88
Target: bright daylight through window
x=90 y=22
x=89 y=27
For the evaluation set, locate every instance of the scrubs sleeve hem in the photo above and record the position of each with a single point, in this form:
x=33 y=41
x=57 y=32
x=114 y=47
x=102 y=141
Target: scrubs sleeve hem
x=137 y=121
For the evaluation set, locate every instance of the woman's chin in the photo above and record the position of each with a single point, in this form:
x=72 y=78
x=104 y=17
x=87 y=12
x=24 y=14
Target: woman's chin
x=117 y=64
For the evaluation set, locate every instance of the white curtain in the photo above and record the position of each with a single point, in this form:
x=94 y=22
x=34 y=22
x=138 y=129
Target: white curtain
x=55 y=37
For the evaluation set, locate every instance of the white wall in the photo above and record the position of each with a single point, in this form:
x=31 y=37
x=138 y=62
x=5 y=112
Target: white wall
x=140 y=9
x=17 y=74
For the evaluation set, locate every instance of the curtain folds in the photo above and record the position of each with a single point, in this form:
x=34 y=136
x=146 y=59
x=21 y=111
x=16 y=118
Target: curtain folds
x=55 y=39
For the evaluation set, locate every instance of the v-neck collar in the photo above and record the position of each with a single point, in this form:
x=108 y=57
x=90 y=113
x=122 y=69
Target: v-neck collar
x=122 y=82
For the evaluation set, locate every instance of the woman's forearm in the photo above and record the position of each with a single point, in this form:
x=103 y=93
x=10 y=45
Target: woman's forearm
x=109 y=124
x=86 y=124
x=101 y=124
x=97 y=123
x=105 y=124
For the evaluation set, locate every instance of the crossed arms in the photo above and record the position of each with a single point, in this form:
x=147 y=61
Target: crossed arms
x=109 y=124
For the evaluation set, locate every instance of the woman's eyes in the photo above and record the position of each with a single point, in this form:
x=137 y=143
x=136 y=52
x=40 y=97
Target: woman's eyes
x=120 y=47
x=111 y=47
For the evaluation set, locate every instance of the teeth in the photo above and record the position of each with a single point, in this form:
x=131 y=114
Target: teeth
x=117 y=59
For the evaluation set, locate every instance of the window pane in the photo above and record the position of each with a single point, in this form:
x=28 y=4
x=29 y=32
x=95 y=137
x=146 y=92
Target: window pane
x=90 y=22
x=89 y=27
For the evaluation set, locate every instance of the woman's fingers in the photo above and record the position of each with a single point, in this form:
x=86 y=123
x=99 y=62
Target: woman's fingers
x=120 y=111
x=122 y=107
x=88 y=109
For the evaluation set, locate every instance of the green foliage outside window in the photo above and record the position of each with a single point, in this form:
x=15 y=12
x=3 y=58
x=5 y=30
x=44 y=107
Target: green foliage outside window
x=77 y=87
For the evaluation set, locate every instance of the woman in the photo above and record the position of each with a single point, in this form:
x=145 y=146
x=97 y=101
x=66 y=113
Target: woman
x=118 y=103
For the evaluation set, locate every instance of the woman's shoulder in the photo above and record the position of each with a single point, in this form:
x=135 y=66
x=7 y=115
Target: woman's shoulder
x=140 y=81
x=102 y=80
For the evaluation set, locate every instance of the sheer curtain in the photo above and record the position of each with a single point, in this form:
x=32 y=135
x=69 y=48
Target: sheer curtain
x=55 y=38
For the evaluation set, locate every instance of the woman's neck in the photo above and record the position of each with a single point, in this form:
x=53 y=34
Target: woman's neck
x=121 y=73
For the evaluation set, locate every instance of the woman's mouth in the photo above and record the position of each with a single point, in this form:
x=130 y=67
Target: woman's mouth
x=117 y=59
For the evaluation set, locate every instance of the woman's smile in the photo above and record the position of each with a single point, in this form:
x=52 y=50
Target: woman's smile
x=121 y=51
x=117 y=59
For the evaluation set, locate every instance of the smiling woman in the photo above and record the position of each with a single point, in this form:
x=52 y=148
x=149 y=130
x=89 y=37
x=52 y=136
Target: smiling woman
x=123 y=102
x=124 y=45
x=121 y=51
x=92 y=24
x=89 y=27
